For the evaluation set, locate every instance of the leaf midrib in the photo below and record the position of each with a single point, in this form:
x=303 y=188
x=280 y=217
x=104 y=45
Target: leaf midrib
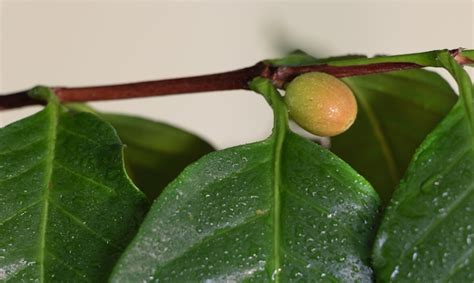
x=278 y=146
x=52 y=134
x=279 y=133
x=380 y=136
x=404 y=99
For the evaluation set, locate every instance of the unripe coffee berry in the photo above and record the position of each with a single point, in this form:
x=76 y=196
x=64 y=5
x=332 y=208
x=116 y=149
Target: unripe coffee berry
x=321 y=104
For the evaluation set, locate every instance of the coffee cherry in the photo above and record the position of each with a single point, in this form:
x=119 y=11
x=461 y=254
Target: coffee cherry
x=321 y=104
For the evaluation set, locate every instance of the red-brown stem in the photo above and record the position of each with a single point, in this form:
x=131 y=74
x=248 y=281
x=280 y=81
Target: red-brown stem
x=222 y=81
x=232 y=80
x=237 y=79
x=282 y=75
x=18 y=99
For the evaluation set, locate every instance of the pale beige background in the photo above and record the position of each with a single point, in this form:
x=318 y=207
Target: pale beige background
x=77 y=43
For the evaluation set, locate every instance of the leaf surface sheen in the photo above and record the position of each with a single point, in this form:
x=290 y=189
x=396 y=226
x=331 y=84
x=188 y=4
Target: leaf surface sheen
x=67 y=209
x=277 y=210
x=155 y=153
x=427 y=234
x=396 y=111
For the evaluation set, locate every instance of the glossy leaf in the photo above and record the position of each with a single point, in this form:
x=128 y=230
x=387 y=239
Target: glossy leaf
x=397 y=110
x=67 y=208
x=155 y=153
x=281 y=209
x=464 y=85
x=427 y=232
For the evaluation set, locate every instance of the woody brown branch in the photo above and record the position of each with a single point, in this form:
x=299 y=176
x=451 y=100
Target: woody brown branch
x=238 y=79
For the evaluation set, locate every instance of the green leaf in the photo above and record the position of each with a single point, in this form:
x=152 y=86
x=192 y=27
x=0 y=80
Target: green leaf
x=464 y=84
x=426 y=59
x=281 y=209
x=397 y=110
x=67 y=208
x=300 y=58
x=427 y=234
x=155 y=153
x=469 y=54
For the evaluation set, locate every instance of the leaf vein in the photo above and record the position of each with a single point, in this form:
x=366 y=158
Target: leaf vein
x=303 y=263
x=63 y=129
x=279 y=136
x=415 y=103
x=381 y=137
x=77 y=272
x=456 y=265
x=323 y=210
x=212 y=236
x=21 y=173
x=438 y=220
x=314 y=206
x=18 y=212
x=3 y=153
x=84 y=226
x=84 y=177
x=52 y=135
